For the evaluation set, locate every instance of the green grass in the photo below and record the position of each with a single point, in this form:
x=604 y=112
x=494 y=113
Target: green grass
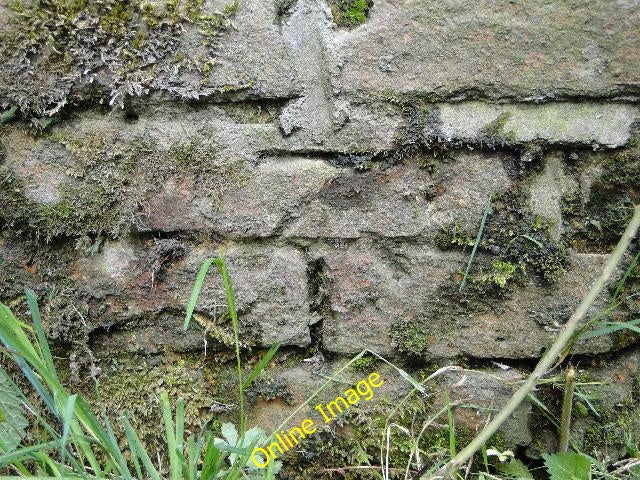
x=77 y=444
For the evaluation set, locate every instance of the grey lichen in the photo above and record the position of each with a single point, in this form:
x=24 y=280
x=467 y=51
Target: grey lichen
x=56 y=52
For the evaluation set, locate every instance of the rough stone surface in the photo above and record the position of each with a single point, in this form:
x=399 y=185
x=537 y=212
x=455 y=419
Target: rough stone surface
x=402 y=201
x=150 y=278
x=547 y=190
x=344 y=171
x=533 y=51
x=559 y=123
x=260 y=208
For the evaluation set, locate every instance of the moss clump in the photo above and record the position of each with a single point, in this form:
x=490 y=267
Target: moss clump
x=350 y=13
x=503 y=271
x=453 y=236
x=366 y=363
x=520 y=241
x=613 y=433
x=599 y=223
x=93 y=206
x=214 y=175
x=359 y=434
x=270 y=389
x=135 y=388
x=107 y=179
x=116 y=20
x=411 y=337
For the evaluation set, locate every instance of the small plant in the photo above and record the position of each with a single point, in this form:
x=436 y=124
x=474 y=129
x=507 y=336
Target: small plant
x=559 y=466
x=502 y=272
x=75 y=443
x=365 y=364
x=350 y=13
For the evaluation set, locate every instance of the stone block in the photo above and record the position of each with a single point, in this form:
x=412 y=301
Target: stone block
x=413 y=287
x=135 y=281
x=532 y=51
x=276 y=192
x=593 y=124
x=402 y=201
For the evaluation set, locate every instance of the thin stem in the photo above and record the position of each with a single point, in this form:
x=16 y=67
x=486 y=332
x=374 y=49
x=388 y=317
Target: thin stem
x=231 y=302
x=567 y=404
x=475 y=245
x=554 y=351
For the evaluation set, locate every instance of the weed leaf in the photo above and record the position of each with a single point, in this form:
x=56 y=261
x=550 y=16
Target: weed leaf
x=261 y=365
x=568 y=466
x=13 y=423
x=515 y=470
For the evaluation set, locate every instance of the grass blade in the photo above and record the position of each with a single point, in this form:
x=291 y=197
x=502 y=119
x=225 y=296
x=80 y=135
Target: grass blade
x=135 y=460
x=233 y=313
x=117 y=454
x=613 y=327
x=180 y=433
x=623 y=280
x=27 y=452
x=452 y=427
x=42 y=338
x=67 y=417
x=197 y=287
x=475 y=245
x=266 y=358
x=14 y=338
x=135 y=444
x=175 y=466
x=212 y=460
x=545 y=411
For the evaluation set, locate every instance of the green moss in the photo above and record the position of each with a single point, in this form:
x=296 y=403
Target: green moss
x=522 y=239
x=411 y=337
x=361 y=430
x=231 y=8
x=350 y=13
x=107 y=179
x=598 y=223
x=134 y=388
x=581 y=409
x=193 y=9
x=453 y=236
x=538 y=223
x=503 y=271
x=366 y=363
x=519 y=239
x=607 y=437
x=494 y=131
x=116 y=20
x=215 y=174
